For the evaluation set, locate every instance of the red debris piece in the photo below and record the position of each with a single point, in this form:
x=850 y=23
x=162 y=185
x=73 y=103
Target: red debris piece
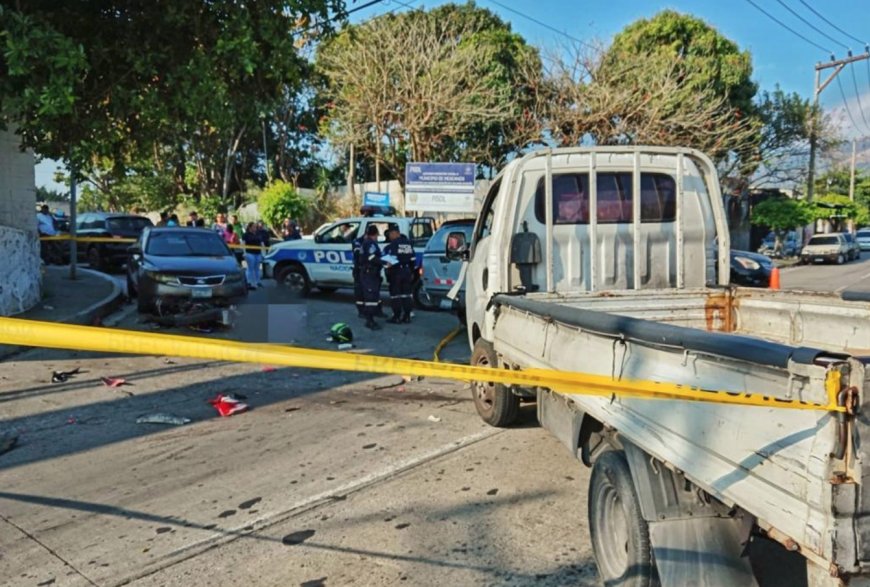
x=227 y=405
x=113 y=381
x=268 y=368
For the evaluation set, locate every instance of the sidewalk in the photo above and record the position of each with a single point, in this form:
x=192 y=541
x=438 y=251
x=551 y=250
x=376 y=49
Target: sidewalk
x=83 y=301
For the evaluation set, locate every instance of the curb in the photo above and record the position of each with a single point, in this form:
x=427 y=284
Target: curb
x=96 y=312
x=92 y=315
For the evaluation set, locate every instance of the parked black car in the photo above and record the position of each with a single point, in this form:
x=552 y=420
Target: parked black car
x=178 y=267
x=106 y=256
x=750 y=269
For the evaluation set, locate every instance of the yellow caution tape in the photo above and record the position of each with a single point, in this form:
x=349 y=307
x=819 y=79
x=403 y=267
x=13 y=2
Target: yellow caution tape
x=73 y=337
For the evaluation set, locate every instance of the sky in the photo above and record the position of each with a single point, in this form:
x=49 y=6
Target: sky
x=778 y=55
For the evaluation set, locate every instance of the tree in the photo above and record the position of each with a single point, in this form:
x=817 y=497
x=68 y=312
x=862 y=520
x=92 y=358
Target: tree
x=836 y=207
x=279 y=201
x=86 y=82
x=701 y=70
x=781 y=215
x=783 y=148
x=440 y=85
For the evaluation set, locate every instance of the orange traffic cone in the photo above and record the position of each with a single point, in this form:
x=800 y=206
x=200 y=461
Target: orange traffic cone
x=774 y=278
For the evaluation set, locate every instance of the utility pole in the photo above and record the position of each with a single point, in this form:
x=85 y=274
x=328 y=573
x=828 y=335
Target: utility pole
x=351 y=176
x=837 y=65
x=852 y=172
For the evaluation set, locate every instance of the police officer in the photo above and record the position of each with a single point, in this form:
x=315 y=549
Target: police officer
x=370 y=265
x=400 y=275
x=356 y=250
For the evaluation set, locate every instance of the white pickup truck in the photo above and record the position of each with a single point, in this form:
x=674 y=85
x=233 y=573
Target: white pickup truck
x=326 y=260
x=615 y=261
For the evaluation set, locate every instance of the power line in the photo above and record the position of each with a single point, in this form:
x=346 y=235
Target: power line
x=788 y=28
x=817 y=13
x=540 y=23
x=811 y=25
x=846 y=104
x=858 y=95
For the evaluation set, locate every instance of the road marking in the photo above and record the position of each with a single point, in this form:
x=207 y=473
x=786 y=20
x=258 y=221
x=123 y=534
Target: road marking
x=848 y=285
x=308 y=504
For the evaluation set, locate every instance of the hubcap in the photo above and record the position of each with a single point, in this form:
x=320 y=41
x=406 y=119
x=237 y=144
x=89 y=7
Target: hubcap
x=613 y=551
x=295 y=281
x=484 y=392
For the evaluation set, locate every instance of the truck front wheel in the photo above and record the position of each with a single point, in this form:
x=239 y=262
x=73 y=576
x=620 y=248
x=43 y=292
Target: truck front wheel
x=495 y=403
x=620 y=535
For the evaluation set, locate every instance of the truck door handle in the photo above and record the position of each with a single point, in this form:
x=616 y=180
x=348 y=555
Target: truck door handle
x=485 y=277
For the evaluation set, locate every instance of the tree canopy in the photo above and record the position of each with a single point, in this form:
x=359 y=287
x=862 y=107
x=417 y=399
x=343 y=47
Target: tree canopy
x=446 y=84
x=781 y=214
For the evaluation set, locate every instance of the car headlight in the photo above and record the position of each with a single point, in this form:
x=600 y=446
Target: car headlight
x=162 y=278
x=747 y=263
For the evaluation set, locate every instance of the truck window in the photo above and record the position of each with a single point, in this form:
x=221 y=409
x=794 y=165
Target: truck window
x=421 y=232
x=571 y=198
x=487 y=213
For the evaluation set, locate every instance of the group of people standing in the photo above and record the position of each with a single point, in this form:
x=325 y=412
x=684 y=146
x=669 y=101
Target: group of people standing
x=399 y=260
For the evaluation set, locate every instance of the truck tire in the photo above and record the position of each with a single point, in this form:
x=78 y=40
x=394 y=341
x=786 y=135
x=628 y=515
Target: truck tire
x=620 y=535
x=495 y=403
x=840 y=259
x=294 y=278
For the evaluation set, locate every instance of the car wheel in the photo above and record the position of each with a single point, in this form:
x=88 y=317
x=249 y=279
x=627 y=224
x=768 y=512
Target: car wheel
x=295 y=279
x=495 y=403
x=95 y=259
x=423 y=299
x=840 y=259
x=620 y=535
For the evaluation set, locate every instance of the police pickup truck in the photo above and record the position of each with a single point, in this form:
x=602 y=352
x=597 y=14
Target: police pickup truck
x=326 y=261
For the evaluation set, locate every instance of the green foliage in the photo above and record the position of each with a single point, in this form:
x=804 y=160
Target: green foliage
x=781 y=214
x=833 y=206
x=44 y=194
x=82 y=79
x=709 y=68
x=278 y=201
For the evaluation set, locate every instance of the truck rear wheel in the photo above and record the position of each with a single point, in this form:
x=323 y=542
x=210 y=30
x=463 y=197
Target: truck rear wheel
x=620 y=535
x=495 y=403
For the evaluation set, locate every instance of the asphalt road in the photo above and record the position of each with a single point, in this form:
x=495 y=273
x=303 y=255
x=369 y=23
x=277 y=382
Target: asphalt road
x=854 y=275
x=331 y=478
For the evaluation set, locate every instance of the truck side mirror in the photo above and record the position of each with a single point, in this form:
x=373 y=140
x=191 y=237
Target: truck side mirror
x=457 y=248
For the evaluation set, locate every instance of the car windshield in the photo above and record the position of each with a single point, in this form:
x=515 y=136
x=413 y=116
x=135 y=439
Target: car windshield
x=438 y=243
x=180 y=244
x=864 y=234
x=824 y=240
x=128 y=223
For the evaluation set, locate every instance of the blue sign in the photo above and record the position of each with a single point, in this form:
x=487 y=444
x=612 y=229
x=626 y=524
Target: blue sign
x=440 y=187
x=376 y=199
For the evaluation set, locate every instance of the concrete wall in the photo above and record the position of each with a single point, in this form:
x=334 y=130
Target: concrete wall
x=20 y=274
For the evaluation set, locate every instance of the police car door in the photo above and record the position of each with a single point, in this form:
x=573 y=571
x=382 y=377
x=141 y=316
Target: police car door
x=331 y=259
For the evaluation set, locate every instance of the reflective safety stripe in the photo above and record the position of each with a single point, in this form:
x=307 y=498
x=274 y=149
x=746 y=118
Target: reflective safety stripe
x=371 y=303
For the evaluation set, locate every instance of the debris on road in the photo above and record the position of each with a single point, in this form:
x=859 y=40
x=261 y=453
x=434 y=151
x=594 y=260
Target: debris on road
x=114 y=381
x=64 y=376
x=435 y=419
x=8 y=442
x=162 y=418
x=398 y=383
x=268 y=368
x=228 y=404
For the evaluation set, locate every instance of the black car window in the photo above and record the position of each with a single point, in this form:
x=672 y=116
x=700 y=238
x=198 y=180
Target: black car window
x=340 y=233
x=824 y=240
x=190 y=244
x=438 y=243
x=128 y=224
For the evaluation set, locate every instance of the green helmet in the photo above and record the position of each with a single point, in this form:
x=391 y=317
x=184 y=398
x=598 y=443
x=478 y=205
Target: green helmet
x=341 y=332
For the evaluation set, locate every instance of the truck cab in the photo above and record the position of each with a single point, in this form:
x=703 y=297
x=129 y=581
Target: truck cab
x=326 y=260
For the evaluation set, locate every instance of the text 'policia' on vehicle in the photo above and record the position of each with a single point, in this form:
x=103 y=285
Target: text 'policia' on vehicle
x=326 y=261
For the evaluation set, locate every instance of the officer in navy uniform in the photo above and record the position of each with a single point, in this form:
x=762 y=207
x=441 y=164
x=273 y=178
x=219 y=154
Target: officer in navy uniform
x=370 y=275
x=356 y=249
x=400 y=275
